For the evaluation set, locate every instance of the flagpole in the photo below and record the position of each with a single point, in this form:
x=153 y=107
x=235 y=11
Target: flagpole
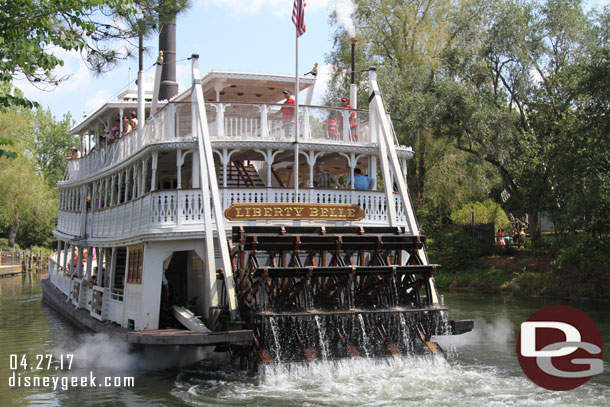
x=298 y=18
x=296 y=125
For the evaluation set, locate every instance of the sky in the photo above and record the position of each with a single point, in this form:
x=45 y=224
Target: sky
x=236 y=35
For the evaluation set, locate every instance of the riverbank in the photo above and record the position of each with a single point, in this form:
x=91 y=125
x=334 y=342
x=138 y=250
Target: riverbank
x=528 y=274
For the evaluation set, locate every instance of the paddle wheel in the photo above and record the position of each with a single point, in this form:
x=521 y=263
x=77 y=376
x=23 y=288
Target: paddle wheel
x=325 y=292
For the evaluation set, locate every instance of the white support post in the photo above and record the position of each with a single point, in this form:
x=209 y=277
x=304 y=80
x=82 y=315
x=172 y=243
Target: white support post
x=141 y=106
x=389 y=158
x=126 y=185
x=171 y=134
x=209 y=180
x=144 y=175
x=157 y=85
x=66 y=257
x=220 y=120
x=179 y=168
x=83 y=200
x=104 y=203
x=373 y=170
x=195 y=170
x=112 y=267
x=134 y=186
x=58 y=257
x=119 y=187
x=353 y=95
x=79 y=263
x=264 y=124
x=153 y=175
x=88 y=263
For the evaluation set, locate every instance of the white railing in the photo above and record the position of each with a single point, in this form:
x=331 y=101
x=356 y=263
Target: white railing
x=99 y=299
x=181 y=210
x=69 y=222
x=57 y=274
x=75 y=291
x=229 y=121
x=102 y=303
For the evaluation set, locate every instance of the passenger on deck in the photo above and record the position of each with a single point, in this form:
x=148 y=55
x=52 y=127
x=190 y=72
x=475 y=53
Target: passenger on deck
x=133 y=120
x=324 y=179
x=114 y=132
x=330 y=127
x=73 y=154
x=288 y=113
x=363 y=182
x=126 y=126
x=352 y=119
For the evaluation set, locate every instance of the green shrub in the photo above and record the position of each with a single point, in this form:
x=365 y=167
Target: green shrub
x=5 y=247
x=451 y=246
x=582 y=251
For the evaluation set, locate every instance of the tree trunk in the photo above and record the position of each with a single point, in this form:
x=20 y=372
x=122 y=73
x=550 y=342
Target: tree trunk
x=533 y=226
x=420 y=172
x=13 y=232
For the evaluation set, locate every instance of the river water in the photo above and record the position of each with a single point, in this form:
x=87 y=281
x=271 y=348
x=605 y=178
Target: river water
x=480 y=368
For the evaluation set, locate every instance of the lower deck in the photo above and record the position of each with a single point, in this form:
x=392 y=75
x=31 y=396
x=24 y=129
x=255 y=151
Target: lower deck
x=82 y=318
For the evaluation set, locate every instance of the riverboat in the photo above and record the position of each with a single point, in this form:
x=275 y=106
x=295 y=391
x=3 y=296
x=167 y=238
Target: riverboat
x=205 y=226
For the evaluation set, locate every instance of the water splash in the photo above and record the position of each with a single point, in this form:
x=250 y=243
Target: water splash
x=275 y=331
x=365 y=338
x=322 y=338
x=406 y=337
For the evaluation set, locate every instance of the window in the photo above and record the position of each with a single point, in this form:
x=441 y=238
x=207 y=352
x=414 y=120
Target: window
x=135 y=264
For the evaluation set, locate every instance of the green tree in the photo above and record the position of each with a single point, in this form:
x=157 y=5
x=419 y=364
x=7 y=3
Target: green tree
x=31 y=30
x=52 y=142
x=512 y=97
x=408 y=42
x=487 y=211
x=28 y=202
x=25 y=198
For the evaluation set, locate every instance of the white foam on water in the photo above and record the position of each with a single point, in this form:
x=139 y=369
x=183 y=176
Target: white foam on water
x=100 y=351
x=391 y=381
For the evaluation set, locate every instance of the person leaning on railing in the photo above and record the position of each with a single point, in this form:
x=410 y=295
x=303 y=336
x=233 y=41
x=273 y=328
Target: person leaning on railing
x=73 y=154
x=126 y=126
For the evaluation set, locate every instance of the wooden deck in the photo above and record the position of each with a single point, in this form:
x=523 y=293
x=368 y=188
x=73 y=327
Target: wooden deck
x=172 y=337
x=9 y=271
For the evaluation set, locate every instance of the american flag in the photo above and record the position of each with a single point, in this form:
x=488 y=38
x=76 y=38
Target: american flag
x=298 y=16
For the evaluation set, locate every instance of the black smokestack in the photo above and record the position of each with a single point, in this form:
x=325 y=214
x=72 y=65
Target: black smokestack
x=167 y=44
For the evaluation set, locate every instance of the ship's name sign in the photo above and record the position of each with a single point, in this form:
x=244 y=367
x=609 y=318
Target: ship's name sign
x=264 y=211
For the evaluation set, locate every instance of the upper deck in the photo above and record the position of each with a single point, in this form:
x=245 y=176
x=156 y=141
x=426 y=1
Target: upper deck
x=146 y=181
x=241 y=108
